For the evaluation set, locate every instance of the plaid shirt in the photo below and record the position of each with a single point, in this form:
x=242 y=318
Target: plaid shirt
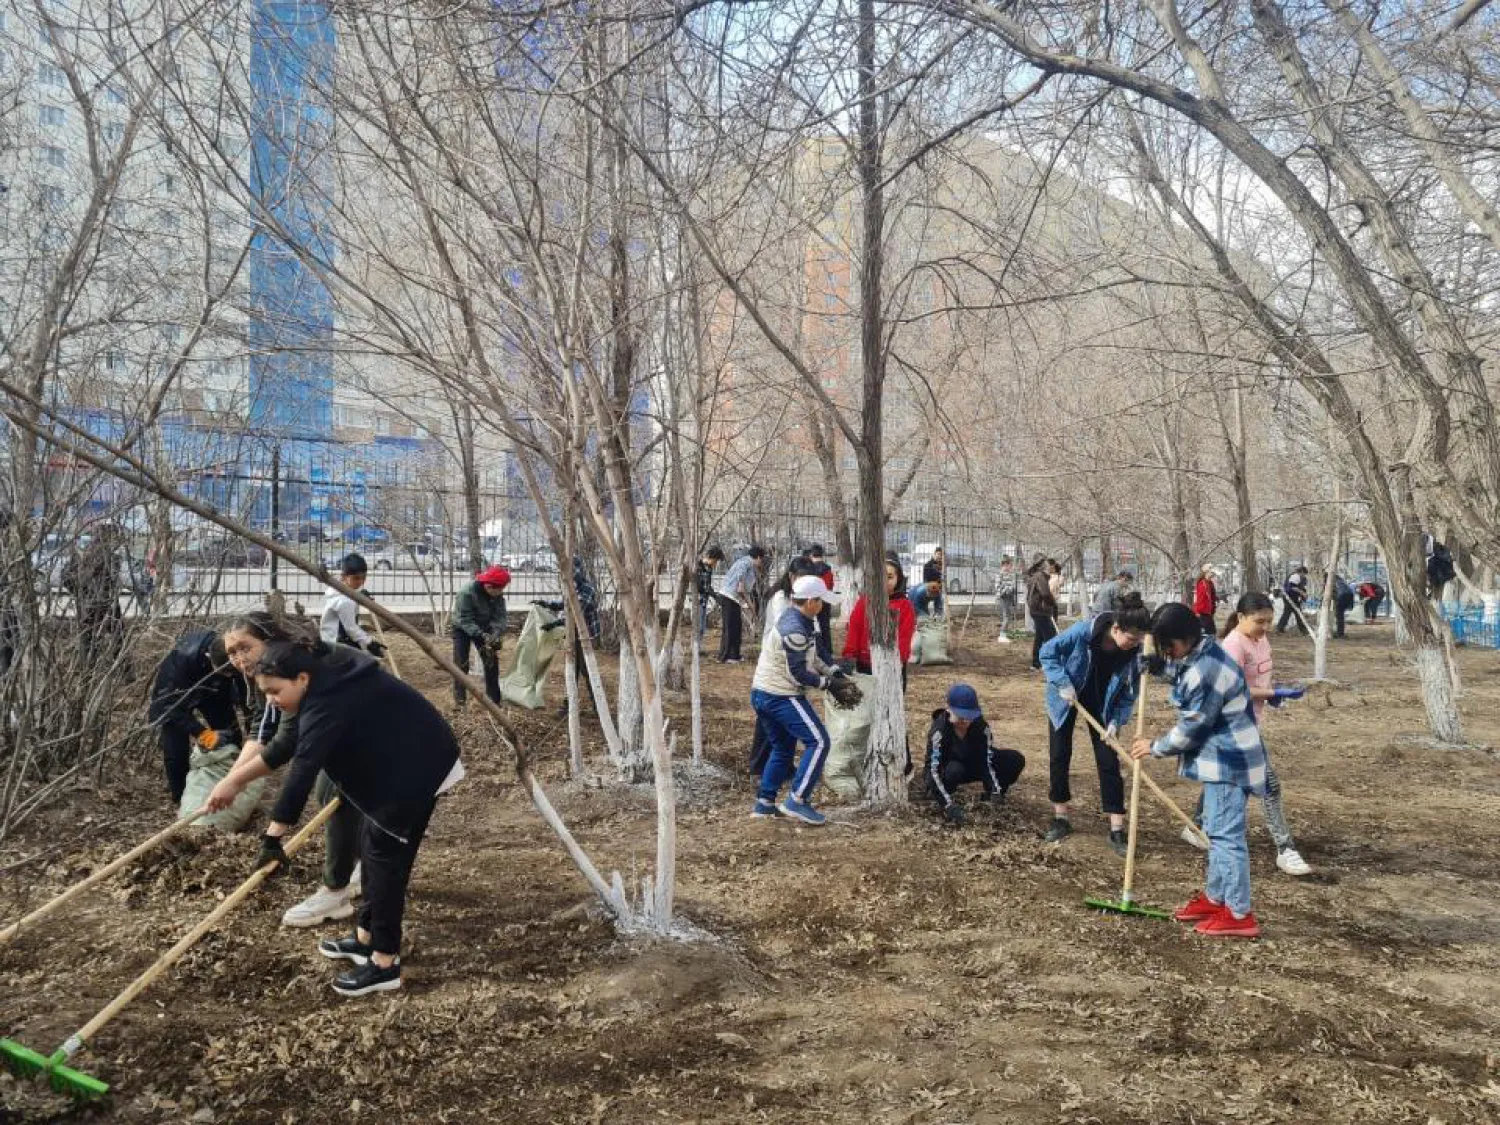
x=1215 y=736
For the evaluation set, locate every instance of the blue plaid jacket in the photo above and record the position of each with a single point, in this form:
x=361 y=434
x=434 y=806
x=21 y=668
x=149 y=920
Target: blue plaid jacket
x=1215 y=736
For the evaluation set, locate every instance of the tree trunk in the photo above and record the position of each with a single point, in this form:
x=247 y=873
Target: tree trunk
x=885 y=764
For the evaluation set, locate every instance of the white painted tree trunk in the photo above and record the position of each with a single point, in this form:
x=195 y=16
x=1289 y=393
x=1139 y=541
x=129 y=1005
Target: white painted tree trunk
x=695 y=688
x=575 y=728
x=601 y=698
x=632 y=760
x=1437 y=694
x=885 y=760
x=849 y=586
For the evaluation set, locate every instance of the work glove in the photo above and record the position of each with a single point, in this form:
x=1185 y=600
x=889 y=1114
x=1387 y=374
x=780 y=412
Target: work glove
x=1156 y=665
x=377 y=650
x=1069 y=694
x=1287 y=694
x=271 y=851
x=847 y=665
x=555 y=607
x=845 y=691
x=954 y=815
x=209 y=739
x=494 y=642
x=1113 y=730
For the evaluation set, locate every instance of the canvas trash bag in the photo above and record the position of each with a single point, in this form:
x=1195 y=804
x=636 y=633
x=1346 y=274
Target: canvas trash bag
x=206 y=768
x=541 y=637
x=849 y=739
x=932 y=633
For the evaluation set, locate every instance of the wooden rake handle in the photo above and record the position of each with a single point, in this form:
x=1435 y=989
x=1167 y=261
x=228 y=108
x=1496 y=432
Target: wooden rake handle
x=390 y=653
x=76 y=1041
x=99 y=876
x=1135 y=781
x=1146 y=777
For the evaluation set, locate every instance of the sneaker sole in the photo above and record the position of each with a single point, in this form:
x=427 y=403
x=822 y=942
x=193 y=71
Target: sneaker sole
x=381 y=986
x=353 y=958
x=765 y=816
x=304 y=922
x=803 y=819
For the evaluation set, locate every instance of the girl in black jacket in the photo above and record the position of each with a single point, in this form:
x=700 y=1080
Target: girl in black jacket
x=390 y=753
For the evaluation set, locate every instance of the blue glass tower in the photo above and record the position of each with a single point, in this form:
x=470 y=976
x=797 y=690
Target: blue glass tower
x=291 y=174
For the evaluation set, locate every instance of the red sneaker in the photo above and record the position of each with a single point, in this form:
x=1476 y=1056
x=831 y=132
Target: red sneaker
x=1225 y=924
x=1200 y=908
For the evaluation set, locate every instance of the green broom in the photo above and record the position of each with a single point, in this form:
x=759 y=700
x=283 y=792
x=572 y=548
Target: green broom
x=1126 y=903
x=26 y=1063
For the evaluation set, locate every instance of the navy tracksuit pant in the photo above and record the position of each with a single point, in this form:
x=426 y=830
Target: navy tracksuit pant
x=788 y=720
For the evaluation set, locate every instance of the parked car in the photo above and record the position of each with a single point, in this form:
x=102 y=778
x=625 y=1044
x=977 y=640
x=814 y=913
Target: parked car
x=220 y=552
x=418 y=555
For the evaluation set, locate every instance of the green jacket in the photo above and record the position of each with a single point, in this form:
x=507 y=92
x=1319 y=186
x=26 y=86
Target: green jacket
x=478 y=615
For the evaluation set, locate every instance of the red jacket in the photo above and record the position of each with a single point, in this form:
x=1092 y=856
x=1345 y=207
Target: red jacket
x=857 y=635
x=1205 y=597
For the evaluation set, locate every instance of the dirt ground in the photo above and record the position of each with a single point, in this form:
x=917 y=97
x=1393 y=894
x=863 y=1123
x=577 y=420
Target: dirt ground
x=883 y=968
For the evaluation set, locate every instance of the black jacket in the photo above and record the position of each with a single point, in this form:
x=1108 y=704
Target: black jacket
x=383 y=744
x=186 y=682
x=974 y=749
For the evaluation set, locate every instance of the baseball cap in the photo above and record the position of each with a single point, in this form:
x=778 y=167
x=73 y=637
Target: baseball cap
x=811 y=586
x=963 y=703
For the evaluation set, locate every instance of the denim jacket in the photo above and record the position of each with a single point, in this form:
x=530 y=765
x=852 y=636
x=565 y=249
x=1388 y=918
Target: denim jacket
x=1066 y=659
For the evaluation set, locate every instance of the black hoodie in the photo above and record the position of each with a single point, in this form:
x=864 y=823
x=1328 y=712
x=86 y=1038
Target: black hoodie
x=383 y=744
x=188 y=680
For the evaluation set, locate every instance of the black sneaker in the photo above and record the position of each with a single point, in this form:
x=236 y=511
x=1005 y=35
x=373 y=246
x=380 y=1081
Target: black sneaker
x=1061 y=829
x=369 y=977
x=345 y=949
x=1118 y=842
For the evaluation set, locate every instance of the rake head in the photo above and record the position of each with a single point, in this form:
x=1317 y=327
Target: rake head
x=23 y=1062
x=1127 y=906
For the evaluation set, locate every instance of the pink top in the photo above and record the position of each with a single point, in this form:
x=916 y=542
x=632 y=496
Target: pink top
x=1254 y=659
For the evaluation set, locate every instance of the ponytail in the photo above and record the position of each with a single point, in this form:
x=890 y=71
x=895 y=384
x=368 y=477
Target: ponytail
x=1248 y=604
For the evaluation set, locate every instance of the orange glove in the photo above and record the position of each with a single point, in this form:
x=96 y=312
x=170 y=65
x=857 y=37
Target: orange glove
x=208 y=739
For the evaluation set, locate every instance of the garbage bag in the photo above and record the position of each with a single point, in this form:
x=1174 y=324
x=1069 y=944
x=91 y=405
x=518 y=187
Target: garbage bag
x=931 y=643
x=849 y=739
x=206 y=768
x=541 y=636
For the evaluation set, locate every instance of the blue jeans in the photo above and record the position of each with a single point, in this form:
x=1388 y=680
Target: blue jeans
x=1228 y=850
x=788 y=720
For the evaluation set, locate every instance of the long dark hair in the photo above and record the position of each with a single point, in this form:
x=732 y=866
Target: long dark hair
x=1251 y=603
x=268 y=627
x=900 y=577
x=286 y=660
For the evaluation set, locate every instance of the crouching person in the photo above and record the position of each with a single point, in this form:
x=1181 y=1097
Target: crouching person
x=961 y=750
x=389 y=752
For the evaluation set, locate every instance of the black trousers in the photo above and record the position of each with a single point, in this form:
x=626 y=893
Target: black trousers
x=387 y=871
x=1043 y=630
x=825 y=623
x=1210 y=627
x=1341 y=608
x=1372 y=608
x=1007 y=765
x=176 y=753
x=731 y=628
x=1290 y=611
x=462 y=644
x=1060 y=752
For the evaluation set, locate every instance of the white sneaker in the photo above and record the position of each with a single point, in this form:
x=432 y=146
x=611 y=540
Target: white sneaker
x=321 y=906
x=1191 y=837
x=1002 y=639
x=1292 y=863
x=356 y=886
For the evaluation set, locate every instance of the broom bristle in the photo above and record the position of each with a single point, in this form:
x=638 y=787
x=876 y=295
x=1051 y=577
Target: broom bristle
x=75 y=1083
x=21 y=1061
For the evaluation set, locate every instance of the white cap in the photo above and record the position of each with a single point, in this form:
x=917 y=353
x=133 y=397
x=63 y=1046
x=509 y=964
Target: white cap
x=811 y=586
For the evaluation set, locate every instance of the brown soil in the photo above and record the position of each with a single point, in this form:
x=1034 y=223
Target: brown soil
x=881 y=969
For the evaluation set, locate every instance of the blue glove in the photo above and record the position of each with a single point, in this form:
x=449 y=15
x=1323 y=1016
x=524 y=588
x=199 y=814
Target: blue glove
x=1288 y=694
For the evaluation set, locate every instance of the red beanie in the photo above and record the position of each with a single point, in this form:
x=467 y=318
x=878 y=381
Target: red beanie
x=493 y=576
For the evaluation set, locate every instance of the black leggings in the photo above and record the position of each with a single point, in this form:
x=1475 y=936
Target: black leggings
x=730 y=628
x=1060 y=752
x=1043 y=630
x=387 y=864
x=1291 y=612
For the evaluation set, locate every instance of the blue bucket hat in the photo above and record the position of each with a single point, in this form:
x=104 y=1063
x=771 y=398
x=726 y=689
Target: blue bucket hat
x=963 y=703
